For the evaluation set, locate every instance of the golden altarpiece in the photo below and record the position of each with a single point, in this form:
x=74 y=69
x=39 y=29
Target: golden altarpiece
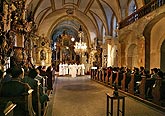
x=19 y=42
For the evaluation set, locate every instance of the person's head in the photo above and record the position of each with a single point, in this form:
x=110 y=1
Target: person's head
x=155 y=70
x=49 y=69
x=141 y=68
x=39 y=68
x=17 y=72
x=32 y=73
x=160 y=74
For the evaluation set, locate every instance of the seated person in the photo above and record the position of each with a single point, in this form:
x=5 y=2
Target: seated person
x=15 y=88
x=33 y=84
x=150 y=82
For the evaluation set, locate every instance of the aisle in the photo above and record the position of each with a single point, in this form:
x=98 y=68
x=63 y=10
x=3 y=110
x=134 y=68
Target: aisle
x=82 y=97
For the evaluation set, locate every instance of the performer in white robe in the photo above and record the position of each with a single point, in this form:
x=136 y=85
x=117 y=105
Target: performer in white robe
x=79 y=69
x=66 y=69
x=60 y=69
x=74 y=70
x=82 y=69
x=70 y=69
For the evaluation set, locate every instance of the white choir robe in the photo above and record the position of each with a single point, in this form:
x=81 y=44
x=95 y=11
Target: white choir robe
x=63 y=71
x=70 y=69
x=79 y=69
x=66 y=69
x=74 y=70
x=60 y=69
x=82 y=69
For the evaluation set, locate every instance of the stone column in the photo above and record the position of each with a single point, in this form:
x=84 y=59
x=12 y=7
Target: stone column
x=108 y=47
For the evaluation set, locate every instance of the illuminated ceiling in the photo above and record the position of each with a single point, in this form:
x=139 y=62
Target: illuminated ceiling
x=51 y=15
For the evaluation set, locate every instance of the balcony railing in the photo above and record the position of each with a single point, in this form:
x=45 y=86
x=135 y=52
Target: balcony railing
x=141 y=12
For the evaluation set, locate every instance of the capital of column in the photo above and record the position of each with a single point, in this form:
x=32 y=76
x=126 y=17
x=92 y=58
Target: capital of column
x=108 y=39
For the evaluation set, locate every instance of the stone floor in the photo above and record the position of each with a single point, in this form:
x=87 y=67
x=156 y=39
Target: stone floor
x=81 y=96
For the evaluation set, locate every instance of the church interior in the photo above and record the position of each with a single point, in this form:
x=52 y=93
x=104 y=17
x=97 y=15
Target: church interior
x=53 y=51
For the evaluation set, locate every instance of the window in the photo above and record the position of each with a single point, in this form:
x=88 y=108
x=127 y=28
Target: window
x=132 y=7
x=115 y=27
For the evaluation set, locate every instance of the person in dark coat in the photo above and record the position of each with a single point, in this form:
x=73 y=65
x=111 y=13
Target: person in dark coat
x=14 y=87
x=49 y=80
x=34 y=84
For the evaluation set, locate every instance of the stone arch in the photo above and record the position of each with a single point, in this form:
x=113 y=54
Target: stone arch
x=132 y=56
x=162 y=56
x=149 y=30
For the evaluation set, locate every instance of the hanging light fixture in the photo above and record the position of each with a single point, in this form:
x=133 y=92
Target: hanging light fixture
x=80 y=47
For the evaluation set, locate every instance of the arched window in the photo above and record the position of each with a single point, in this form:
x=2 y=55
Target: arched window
x=103 y=33
x=132 y=7
x=114 y=27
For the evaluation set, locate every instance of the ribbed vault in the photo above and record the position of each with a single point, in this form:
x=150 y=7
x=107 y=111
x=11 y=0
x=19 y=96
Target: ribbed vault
x=93 y=15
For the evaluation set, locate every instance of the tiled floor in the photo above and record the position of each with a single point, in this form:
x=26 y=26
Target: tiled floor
x=81 y=96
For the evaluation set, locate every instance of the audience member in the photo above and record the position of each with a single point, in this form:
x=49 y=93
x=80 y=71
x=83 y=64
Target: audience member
x=14 y=87
x=49 y=80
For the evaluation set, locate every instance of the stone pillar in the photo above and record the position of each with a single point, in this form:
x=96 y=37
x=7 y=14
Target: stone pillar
x=108 y=44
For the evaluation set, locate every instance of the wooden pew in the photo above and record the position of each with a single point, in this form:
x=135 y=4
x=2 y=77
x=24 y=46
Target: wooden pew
x=156 y=91
x=123 y=82
x=142 y=87
x=100 y=74
x=110 y=79
x=96 y=77
x=117 y=78
x=113 y=78
x=39 y=108
x=24 y=104
x=131 y=85
x=36 y=100
x=6 y=109
x=104 y=75
x=108 y=76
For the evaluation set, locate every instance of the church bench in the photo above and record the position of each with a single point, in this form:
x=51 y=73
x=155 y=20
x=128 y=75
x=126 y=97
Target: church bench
x=36 y=100
x=142 y=86
x=108 y=76
x=123 y=82
x=104 y=75
x=117 y=79
x=113 y=77
x=131 y=85
x=100 y=74
x=158 y=91
x=97 y=75
x=120 y=78
x=93 y=73
x=6 y=109
x=24 y=104
x=44 y=84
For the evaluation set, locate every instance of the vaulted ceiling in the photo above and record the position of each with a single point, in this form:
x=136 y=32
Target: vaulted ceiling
x=52 y=16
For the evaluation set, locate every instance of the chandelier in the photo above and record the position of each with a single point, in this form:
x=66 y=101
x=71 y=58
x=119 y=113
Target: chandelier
x=80 y=47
